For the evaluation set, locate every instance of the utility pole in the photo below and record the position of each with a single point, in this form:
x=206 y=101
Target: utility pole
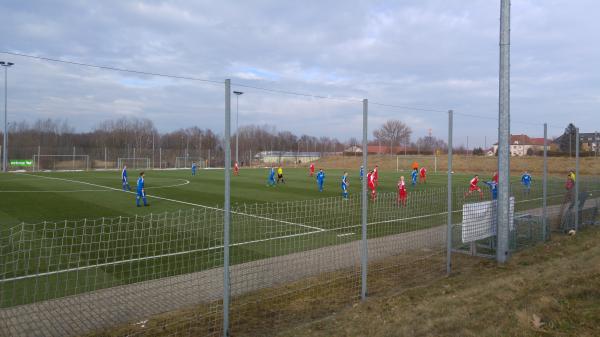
x=502 y=249
x=6 y=65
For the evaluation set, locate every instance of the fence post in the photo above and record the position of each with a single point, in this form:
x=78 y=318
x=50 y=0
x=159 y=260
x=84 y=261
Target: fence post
x=105 y=158
x=502 y=250
x=577 y=179
x=449 y=225
x=363 y=255
x=226 y=215
x=73 y=158
x=38 y=158
x=545 y=184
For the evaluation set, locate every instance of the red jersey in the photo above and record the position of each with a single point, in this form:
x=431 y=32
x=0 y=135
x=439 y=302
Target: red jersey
x=235 y=166
x=312 y=167
x=402 y=187
x=375 y=174
x=495 y=177
x=423 y=171
x=474 y=182
x=371 y=180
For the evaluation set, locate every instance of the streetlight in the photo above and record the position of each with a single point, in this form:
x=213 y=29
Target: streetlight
x=237 y=115
x=5 y=147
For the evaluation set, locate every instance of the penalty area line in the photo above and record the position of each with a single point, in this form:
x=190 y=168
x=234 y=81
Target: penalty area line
x=180 y=202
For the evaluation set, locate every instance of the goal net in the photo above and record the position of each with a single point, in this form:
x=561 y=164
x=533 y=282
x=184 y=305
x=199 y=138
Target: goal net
x=134 y=163
x=405 y=163
x=59 y=162
x=186 y=162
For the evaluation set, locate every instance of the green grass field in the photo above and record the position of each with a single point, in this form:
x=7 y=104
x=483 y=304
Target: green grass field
x=56 y=196
x=71 y=232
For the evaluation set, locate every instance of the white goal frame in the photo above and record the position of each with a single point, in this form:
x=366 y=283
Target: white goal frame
x=74 y=158
x=135 y=160
x=187 y=162
x=416 y=157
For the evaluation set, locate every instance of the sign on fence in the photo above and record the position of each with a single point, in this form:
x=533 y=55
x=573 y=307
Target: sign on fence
x=21 y=162
x=479 y=220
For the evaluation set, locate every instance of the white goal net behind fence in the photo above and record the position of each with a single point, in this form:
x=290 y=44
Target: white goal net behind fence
x=186 y=162
x=134 y=163
x=59 y=162
x=405 y=163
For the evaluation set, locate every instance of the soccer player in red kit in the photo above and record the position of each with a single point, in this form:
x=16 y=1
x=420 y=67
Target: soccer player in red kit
x=371 y=184
x=311 y=169
x=402 y=192
x=236 y=168
x=495 y=178
x=423 y=175
x=376 y=175
x=473 y=186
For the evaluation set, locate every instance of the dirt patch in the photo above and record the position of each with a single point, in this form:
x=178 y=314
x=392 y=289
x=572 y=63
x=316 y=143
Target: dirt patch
x=470 y=164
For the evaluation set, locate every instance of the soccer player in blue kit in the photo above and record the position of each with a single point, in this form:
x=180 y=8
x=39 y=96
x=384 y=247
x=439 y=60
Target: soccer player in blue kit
x=141 y=191
x=320 y=179
x=526 y=181
x=414 y=175
x=126 y=186
x=345 y=185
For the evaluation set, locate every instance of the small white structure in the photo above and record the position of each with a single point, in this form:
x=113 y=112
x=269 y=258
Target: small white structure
x=276 y=157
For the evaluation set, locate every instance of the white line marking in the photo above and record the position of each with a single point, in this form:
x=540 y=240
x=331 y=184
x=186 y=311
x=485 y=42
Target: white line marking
x=345 y=234
x=181 y=202
x=64 y=191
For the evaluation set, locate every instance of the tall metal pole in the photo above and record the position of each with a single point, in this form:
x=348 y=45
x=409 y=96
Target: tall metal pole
x=5 y=140
x=226 y=207
x=545 y=183
x=364 y=203
x=577 y=179
x=449 y=224
x=502 y=250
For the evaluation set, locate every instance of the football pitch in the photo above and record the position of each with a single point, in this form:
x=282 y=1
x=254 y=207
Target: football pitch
x=56 y=196
x=71 y=232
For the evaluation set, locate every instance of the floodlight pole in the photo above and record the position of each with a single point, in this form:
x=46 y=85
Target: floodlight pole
x=502 y=249
x=6 y=65
x=237 y=116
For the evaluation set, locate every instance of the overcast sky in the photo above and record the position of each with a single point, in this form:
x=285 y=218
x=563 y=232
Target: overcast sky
x=437 y=54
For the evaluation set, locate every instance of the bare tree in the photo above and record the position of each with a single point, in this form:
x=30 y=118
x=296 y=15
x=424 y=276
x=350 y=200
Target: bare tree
x=393 y=132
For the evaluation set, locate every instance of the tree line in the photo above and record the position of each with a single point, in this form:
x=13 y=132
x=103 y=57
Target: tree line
x=129 y=136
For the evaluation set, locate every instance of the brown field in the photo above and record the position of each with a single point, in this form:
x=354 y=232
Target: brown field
x=474 y=164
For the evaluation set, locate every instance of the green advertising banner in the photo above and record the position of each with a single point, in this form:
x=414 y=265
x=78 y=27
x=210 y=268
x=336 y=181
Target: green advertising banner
x=21 y=162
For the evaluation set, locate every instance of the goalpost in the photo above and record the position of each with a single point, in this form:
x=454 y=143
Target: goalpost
x=404 y=163
x=61 y=162
x=186 y=162
x=134 y=163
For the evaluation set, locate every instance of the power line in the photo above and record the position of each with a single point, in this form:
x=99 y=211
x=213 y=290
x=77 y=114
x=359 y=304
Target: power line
x=139 y=72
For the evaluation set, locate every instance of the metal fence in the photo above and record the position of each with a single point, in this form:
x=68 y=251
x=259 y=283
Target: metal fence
x=162 y=274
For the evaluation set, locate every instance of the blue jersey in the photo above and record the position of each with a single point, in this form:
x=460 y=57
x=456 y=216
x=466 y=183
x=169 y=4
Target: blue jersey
x=124 y=175
x=140 y=184
x=493 y=187
x=272 y=174
x=362 y=171
x=320 y=177
x=526 y=179
x=414 y=175
x=194 y=167
x=344 y=182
